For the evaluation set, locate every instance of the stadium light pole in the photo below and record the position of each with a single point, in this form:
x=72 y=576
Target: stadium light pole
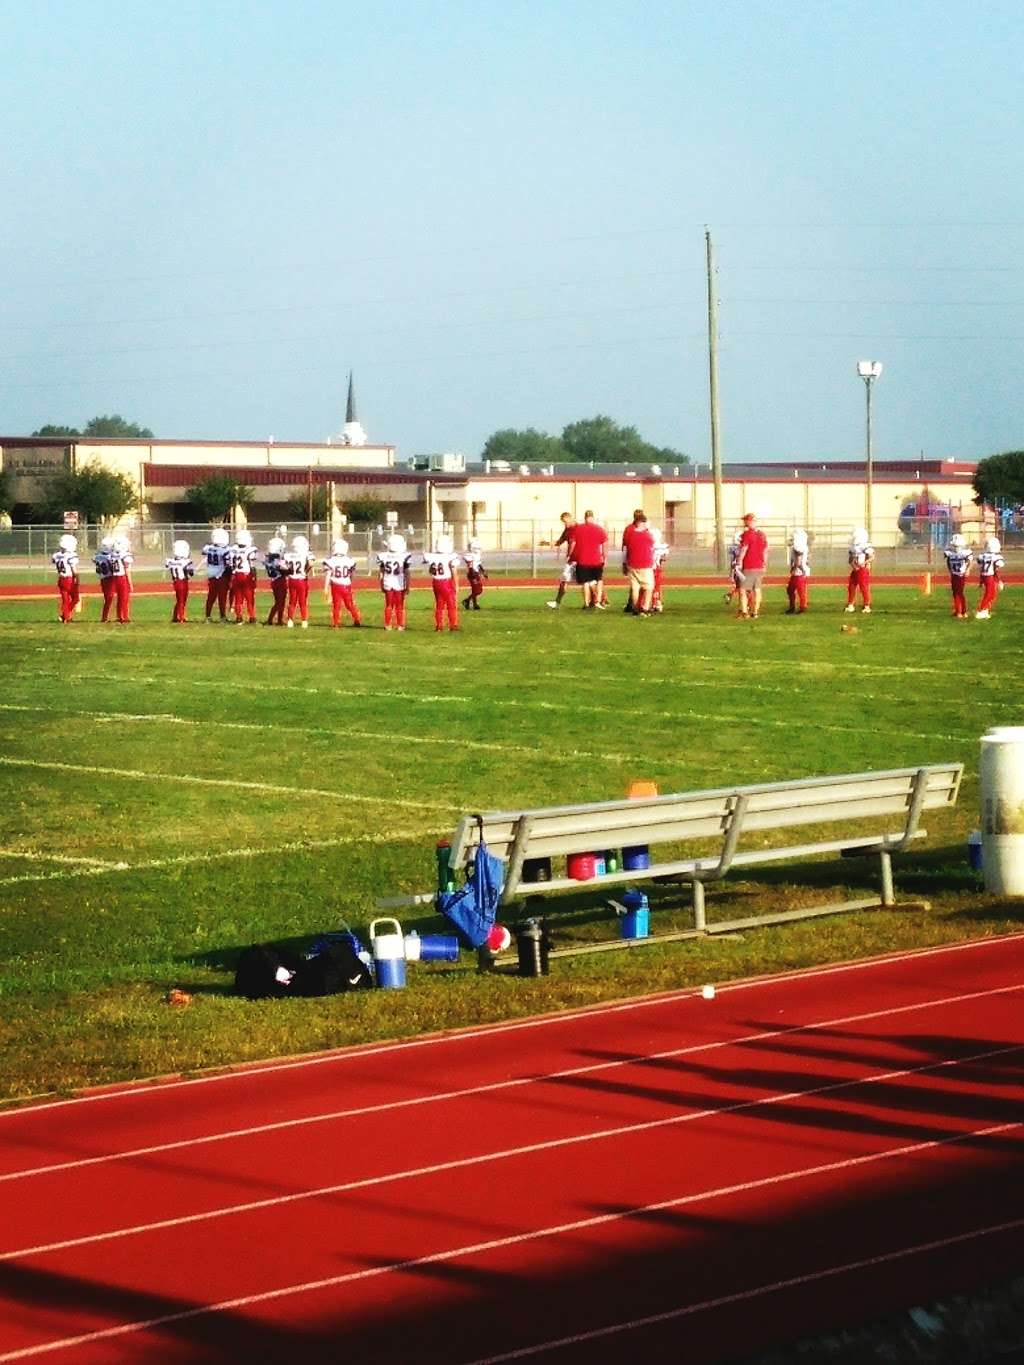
x=716 y=450
x=869 y=371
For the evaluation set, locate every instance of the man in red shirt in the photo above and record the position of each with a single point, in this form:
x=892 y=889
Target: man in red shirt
x=638 y=562
x=751 y=563
x=588 y=545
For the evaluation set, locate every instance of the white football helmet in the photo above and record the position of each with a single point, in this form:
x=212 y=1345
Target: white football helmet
x=180 y=549
x=243 y=537
x=474 y=544
x=107 y=543
x=445 y=545
x=992 y=545
x=300 y=545
x=799 y=540
x=275 y=545
x=340 y=547
x=220 y=537
x=958 y=541
x=68 y=543
x=859 y=537
x=122 y=545
x=396 y=544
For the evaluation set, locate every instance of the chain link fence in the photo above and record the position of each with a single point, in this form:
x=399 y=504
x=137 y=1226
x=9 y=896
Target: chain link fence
x=520 y=548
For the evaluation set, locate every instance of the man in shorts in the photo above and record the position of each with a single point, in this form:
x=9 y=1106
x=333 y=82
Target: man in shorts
x=589 y=551
x=638 y=563
x=751 y=563
x=568 y=539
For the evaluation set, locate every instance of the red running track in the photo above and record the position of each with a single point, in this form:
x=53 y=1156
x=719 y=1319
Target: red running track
x=672 y=1176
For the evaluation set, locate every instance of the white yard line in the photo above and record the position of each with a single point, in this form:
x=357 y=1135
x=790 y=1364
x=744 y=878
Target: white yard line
x=186 y=859
x=538 y=1234
x=234 y=784
x=37 y=855
x=544 y=1078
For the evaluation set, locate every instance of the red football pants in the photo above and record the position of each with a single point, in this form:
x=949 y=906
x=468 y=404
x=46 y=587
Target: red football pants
x=341 y=596
x=989 y=591
x=445 y=604
x=68 y=589
x=107 y=589
x=123 y=593
x=659 y=578
x=279 y=587
x=476 y=585
x=394 y=607
x=243 y=595
x=217 y=593
x=298 y=598
x=796 y=591
x=958 y=586
x=859 y=579
x=180 y=586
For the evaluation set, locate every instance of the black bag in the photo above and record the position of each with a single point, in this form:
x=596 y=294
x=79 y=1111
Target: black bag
x=266 y=971
x=332 y=965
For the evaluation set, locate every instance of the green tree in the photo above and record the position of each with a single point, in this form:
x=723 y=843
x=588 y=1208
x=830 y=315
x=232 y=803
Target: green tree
x=305 y=508
x=215 y=497
x=95 y=493
x=529 y=446
x=603 y=441
x=1000 y=478
x=108 y=425
x=115 y=425
x=364 y=511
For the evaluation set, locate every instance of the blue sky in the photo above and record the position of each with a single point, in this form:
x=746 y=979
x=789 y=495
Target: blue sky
x=494 y=212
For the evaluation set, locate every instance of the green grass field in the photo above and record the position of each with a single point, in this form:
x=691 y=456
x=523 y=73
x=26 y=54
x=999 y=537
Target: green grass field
x=172 y=795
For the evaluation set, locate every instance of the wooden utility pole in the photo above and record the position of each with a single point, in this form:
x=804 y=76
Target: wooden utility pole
x=716 y=453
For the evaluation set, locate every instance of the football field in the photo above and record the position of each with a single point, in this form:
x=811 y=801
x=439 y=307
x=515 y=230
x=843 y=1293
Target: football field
x=173 y=794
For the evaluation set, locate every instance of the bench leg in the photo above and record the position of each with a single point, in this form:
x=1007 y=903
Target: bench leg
x=888 y=894
x=698 y=906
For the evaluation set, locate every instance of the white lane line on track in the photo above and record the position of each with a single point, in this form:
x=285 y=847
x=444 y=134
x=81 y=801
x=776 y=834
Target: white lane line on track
x=756 y=1292
x=342 y=1055
x=516 y=1239
x=491 y=1087
x=231 y=783
x=502 y=1154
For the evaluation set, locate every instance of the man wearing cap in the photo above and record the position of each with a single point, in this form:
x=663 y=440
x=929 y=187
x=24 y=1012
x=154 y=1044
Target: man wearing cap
x=638 y=562
x=751 y=563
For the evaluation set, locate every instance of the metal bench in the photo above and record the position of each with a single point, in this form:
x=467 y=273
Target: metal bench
x=723 y=816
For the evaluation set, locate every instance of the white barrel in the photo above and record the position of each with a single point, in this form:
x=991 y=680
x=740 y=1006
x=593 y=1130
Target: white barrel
x=1002 y=809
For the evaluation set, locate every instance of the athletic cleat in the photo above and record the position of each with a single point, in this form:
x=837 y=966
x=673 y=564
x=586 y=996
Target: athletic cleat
x=866 y=611
x=850 y=607
x=305 y=625
x=982 y=615
x=552 y=605
x=291 y=625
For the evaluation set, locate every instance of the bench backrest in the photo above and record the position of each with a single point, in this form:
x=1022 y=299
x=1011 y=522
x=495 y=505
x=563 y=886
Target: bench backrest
x=560 y=830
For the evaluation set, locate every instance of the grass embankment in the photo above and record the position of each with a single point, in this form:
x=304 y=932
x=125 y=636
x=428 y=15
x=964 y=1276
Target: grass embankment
x=171 y=795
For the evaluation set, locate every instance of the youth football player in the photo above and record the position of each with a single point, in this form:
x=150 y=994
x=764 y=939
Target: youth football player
x=298 y=563
x=242 y=562
x=120 y=558
x=181 y=569
x=860 y=557
x=443 y=567
x=799 y=572
x=394 y=564
x=990 y=561
x=661 y=552
x=218 y=573
x=475 y=575
x=65 y=561
x=105 y=573
x=277 y=573
x=958 y=561
x=339 y=571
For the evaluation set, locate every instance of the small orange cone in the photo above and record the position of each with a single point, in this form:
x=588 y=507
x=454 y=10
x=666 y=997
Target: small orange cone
x=640 y=789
